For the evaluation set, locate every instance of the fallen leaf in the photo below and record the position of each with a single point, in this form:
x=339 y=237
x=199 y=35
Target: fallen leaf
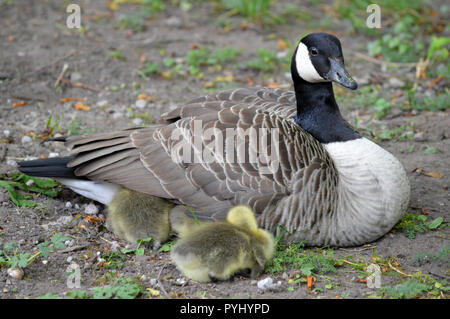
x=226 y=78
x=310 y=282
x=142 y=96
x=249 y=81
x=92 y=219
x=143 y=58
x=423 y=75
x=11 y=38
x=153 y=292
x=112 y=5
x=272 y=85
x=227 y=28
x=282 y=45
x=433 y=82
x=21 y=103
x=82 y=107
x=363 y=281
x=68 y=99
x=166 y=75
x=434 y=175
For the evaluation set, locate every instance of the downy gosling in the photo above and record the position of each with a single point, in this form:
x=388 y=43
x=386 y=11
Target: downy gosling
x=211 y=251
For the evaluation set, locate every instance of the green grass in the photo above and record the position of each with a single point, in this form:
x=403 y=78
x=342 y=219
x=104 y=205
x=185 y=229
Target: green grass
x=21 y=187
x=308 y=261
x=11 y=257
x=267 y=61
x=411 y=224
x=248 y=8
x=120 y=289
x=441 y=102
x=193 y=64
x=409 y=289
x=136 y=21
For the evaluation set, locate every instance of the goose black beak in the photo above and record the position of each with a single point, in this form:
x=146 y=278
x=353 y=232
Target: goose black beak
x=340 y=75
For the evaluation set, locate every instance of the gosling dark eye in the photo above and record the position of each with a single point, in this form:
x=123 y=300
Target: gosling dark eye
x=313 y=51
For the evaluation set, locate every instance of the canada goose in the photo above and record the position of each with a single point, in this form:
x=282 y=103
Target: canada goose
x=133 y=215
x=218 y=250
x=322 y=181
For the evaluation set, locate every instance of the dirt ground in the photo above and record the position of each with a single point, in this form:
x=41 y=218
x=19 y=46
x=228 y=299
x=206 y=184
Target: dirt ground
x=35 y=44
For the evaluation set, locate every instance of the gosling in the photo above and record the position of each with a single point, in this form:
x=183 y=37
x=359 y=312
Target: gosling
x=211 y=251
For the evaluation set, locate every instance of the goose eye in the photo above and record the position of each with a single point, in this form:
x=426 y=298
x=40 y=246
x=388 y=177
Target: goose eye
x=313 y=51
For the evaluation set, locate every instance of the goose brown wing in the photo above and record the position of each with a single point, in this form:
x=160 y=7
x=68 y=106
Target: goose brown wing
x=182 y=160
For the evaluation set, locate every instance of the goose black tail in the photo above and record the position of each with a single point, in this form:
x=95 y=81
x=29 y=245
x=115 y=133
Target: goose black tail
x=50 y=167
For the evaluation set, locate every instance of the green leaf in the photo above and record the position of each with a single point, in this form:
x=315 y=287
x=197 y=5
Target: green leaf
x=102 y=293
x=44 y=249
x=140 y=251
x=430 y=150
x=23 y=260
x=166 y=247
x=17 y=198
x=307 y=269
x=409 y=289
x=58 y=241
x=77 y=294
x=127 y=291
x=436 y=223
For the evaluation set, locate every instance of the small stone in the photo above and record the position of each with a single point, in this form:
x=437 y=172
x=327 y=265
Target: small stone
x=29 y=182
x=26 y=139
x=6 y=133
x=268 y=284
x=117 y=115
x=420 y=137
x=282 y=54
x=91 y=209
x=265 y=283
x=53 y=154
x=137 y=121
x=75 y=76
x=180 y=281
x=69 y=259
x=15 y=273
x=77 y=206
x=44 y=262
x=396 y=83
x=173 y=21
x=153 y=282
x=141 y=104
x=68 y=204
x=102 y=103
x=68 y=243
x=64 y=220
x=11 y=162
x=115 y=246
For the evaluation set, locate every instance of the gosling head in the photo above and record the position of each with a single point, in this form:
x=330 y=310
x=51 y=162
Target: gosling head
x=318 y=58
x=242 y=216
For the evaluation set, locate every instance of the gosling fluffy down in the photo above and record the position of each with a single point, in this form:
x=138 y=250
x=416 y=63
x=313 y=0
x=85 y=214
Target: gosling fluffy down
x=218 y=250
x=133 y=215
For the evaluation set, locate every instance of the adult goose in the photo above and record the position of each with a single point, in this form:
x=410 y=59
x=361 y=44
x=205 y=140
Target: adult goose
x=315 y=176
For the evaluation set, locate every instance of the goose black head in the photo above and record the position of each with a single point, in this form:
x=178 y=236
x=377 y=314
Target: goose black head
x=319 y=58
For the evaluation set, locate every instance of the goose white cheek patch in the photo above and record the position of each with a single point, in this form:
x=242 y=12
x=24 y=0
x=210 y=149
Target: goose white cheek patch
x=305 y=68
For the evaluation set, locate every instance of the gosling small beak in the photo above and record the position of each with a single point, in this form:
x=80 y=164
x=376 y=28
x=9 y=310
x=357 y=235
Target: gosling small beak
x=339 y=75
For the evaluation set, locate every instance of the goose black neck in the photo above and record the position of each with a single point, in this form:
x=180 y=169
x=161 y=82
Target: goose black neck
x=318 y=112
